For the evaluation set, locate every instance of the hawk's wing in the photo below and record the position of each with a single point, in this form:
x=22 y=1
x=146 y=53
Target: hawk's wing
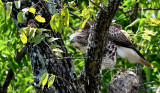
x=126 y=48
x=116 y=36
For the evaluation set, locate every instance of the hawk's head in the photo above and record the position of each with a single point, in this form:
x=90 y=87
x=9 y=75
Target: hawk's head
x=80 y=40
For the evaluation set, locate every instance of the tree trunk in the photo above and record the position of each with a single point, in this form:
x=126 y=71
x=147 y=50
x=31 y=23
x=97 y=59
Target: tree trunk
x=42 y=59
x=97 y=42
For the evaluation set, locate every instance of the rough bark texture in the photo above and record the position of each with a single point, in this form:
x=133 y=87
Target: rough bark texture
x=97 y=42
x=42 y=59
x=128 y=82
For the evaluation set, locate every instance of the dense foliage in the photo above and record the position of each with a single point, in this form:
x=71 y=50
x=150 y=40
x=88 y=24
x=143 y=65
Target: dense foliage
x=144 y=31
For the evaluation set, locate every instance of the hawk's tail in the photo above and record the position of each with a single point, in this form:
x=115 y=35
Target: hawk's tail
x=145 y=62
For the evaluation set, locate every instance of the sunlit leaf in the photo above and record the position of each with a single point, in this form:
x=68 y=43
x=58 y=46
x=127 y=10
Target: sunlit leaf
x=32 y=10
x=23 y=38
x=105 y=2
x=52 y=39
x=72 y=5
x=62 y=12
x=59 y=54
x=32 y=33
x=67 y=17
x=9 y=7
x=39 y=18
x=57 y=50
x=54 y=46
x=83 y=24
x=17 y=4
x=134 y=23
x=47 y=35
x=44 y=79
x=153 y=20
x=51 y=80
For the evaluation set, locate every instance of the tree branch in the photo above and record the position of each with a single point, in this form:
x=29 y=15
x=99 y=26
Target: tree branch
x=139 y=9
x=97 y=5
x=97 y=42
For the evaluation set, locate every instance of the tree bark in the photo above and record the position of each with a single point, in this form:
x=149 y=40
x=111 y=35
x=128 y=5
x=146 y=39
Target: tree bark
x=97 y=42
x=128 y=82
x=42 y=59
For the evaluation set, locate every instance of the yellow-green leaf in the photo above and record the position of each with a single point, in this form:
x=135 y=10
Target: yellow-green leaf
x=67 y=17
x=57 y=50
x=20 y=17
x=51 y=80
x=153 y=20
x=44 y=79
x=23 y=38
x=39 y=18
x=83 y=24
x=32 y=10
x=134 y=22
x=62 y=12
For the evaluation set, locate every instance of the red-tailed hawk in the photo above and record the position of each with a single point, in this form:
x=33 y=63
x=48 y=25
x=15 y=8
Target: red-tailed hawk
x=118 y=44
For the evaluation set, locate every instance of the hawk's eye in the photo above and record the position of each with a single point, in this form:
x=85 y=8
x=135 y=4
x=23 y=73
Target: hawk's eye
x=79 y=37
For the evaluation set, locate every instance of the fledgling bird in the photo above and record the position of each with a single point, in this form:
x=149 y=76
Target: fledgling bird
x=118 y=44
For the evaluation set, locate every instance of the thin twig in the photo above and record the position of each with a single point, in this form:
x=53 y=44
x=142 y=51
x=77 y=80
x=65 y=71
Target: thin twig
x=71 y=58
x=139 y=9
x=98 y=6
x=147 y=83
x=75 y=15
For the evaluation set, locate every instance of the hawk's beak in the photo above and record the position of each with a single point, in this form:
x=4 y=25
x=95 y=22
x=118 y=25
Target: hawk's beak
x=71 y=41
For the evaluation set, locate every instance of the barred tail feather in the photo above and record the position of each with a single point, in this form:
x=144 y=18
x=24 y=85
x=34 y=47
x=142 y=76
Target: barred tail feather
x=145 y=62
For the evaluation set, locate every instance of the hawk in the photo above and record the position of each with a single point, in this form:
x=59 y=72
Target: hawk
x=118 y=44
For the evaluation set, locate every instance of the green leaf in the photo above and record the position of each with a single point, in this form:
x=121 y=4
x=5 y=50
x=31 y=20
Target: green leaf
x=32 y=33
x=52 y=39
x=156 y=64
x=72 y=5
x=13 y=64
x=59 y=54
x=53 y=21
x=57 y=50
x=51 y=80
x=134 y=23
x=54 y=46
x=44 y=79
x=17 y=4
x=148 y=73
x=38 y=39
x=66 y=17
x=105 y=2
x=9 y=7
x=20 y=17
x=47 y=35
